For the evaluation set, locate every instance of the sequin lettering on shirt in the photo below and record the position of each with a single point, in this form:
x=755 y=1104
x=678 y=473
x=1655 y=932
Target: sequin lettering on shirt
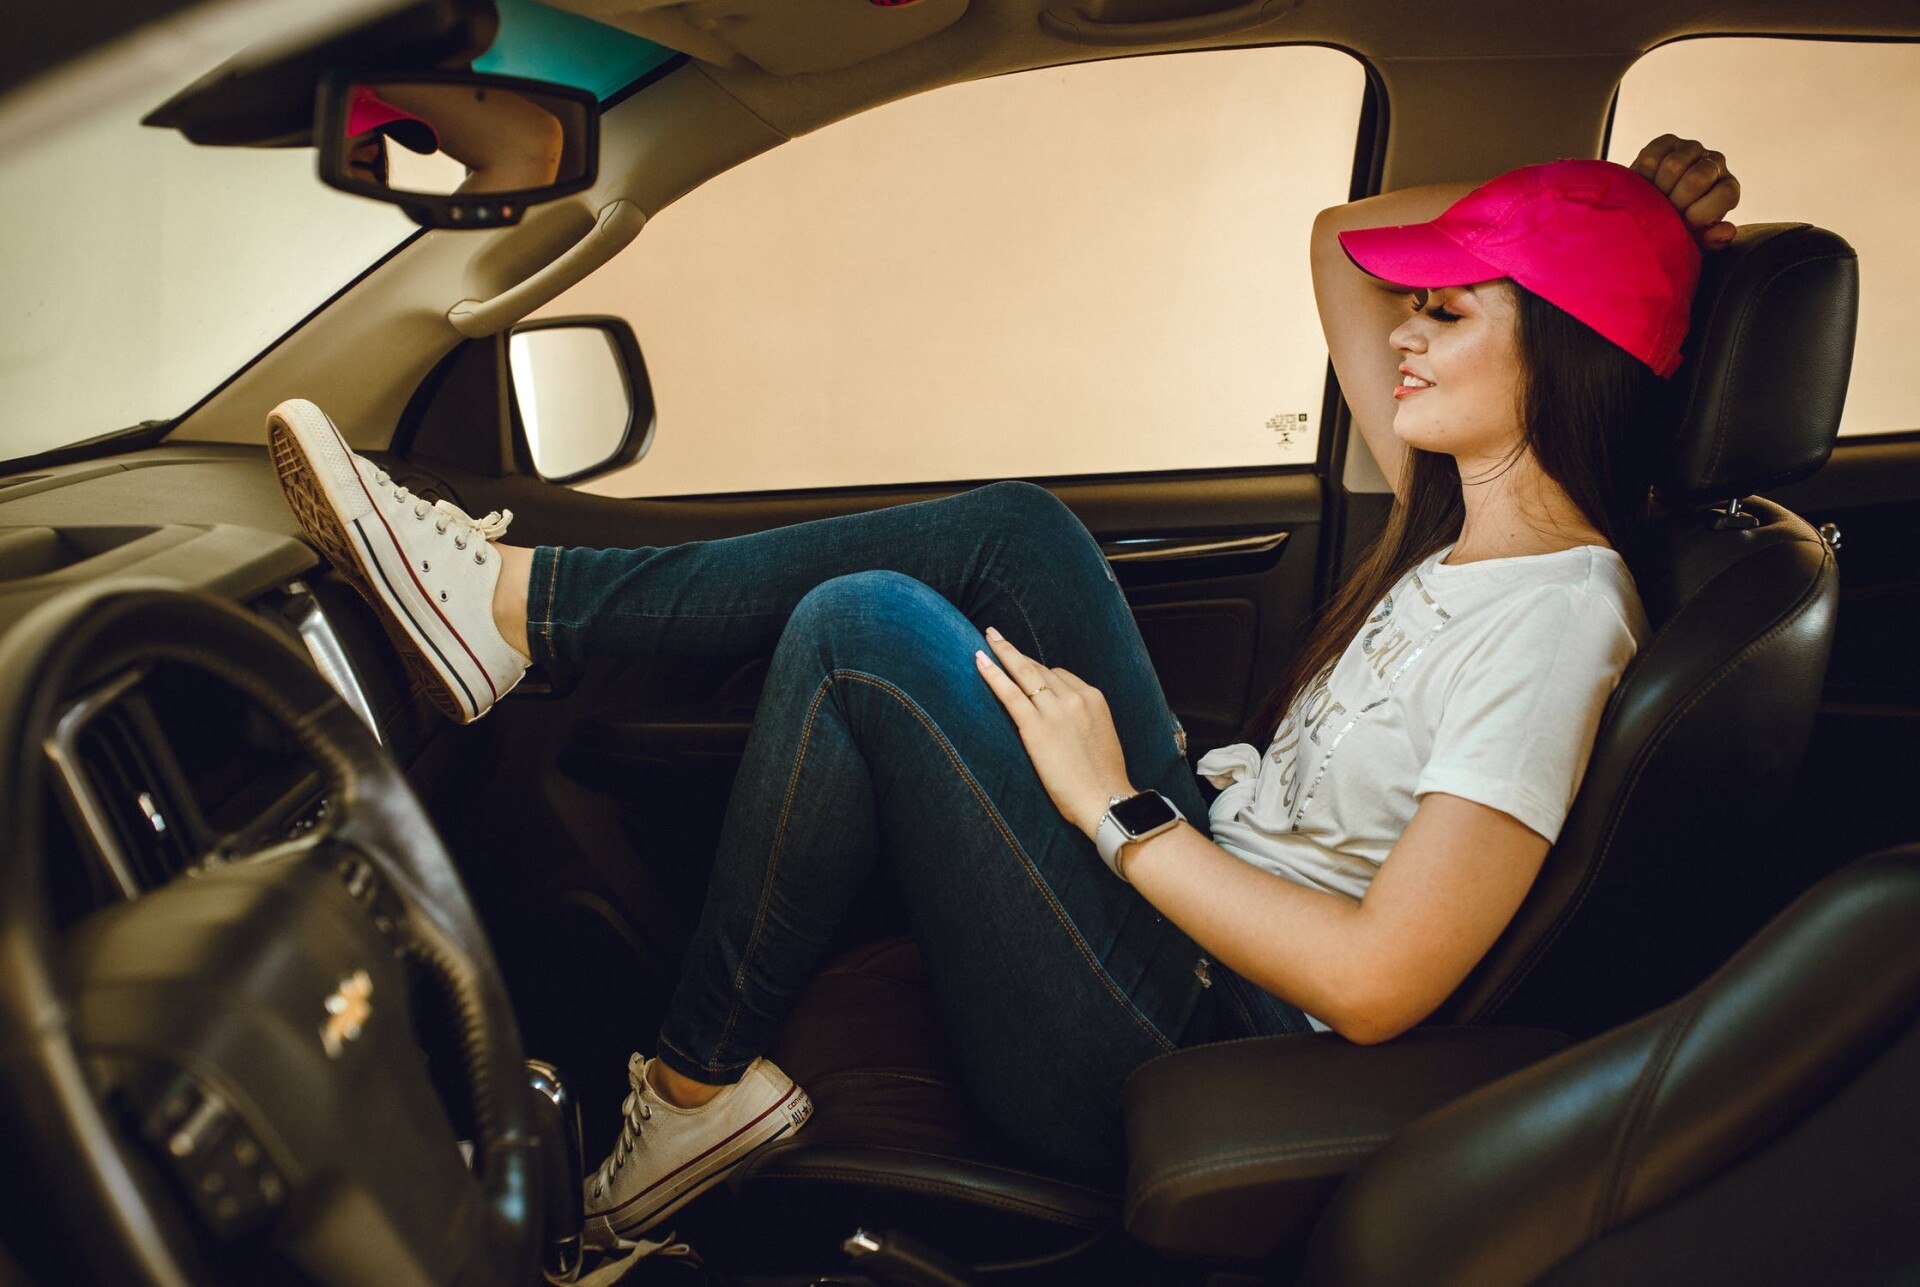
x=1389 y=651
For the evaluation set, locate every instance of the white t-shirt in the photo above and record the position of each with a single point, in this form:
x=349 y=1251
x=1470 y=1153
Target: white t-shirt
x=1484 y=681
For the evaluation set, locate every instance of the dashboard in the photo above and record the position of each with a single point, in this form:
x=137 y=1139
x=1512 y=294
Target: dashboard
x=202 y=1059
x=165 y=769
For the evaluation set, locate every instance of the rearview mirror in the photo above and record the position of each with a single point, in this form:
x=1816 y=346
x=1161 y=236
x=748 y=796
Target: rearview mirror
x=456 y=149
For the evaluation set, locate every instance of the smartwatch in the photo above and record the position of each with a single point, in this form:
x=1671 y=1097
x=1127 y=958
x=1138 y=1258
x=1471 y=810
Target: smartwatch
x=1130 y=819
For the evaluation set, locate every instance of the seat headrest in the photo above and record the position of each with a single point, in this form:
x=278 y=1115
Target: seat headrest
x=1756 y=402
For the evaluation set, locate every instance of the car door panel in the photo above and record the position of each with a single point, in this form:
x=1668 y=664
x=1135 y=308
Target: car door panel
x=1855 y=790
x=1868 y=499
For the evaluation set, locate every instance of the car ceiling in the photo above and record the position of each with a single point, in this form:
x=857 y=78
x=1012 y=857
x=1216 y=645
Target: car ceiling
x=1452 y=78
x=992 y=37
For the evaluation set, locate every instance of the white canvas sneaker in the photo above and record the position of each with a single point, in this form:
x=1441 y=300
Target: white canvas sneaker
x=426 y=568
x=666 y=1156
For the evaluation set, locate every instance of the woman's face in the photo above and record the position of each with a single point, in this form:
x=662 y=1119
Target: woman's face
x=1460 y=349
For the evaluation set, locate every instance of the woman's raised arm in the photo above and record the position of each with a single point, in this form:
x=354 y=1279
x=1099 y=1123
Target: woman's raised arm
x=1358 y=312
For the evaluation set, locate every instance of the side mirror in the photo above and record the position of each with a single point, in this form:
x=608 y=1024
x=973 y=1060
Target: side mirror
x=456 y=149
x=582 y=403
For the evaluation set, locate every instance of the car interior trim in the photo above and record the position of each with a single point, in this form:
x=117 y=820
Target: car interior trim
x=85 y=808
x=1083 y=26
x=1161 y=549
x=372 y=365
x=614 y=228
x=1618 y=1090
x=329 y=656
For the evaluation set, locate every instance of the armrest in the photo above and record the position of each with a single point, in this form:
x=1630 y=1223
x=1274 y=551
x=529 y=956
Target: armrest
x=1233 y=1148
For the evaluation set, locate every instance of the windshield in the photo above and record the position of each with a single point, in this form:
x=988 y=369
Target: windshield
x=143 y=271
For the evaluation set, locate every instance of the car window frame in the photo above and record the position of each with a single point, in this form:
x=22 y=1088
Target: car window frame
x=1365 y=175
x=1892 y=435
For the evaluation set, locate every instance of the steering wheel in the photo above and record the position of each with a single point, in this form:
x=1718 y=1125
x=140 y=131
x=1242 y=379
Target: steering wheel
x=226 y=1071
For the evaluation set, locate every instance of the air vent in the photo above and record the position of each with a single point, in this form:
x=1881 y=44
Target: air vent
x=147 y=816
x=122 y=791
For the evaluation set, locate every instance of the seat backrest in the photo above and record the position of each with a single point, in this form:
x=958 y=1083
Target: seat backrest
x=1663 y=868
x=1763 y=1128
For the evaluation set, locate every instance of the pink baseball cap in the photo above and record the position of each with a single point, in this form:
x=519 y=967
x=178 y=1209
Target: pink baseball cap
x=1592 y=237
x=368 y=111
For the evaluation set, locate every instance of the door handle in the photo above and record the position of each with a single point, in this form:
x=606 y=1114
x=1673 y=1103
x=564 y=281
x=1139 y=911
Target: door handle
x=1158 y=549
x=617 y=224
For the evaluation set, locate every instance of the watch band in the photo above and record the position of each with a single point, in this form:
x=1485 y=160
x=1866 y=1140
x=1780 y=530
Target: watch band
x=1110 y=838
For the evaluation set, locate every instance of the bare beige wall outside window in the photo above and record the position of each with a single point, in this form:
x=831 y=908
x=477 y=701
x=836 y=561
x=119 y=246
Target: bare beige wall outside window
x=1090 y=269
x=1819 y=132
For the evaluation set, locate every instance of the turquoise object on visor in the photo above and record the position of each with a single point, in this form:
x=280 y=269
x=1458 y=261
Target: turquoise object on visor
x=543 y=43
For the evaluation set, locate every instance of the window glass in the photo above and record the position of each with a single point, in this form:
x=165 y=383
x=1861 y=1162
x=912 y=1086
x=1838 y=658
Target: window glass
x=544 y=43
x=1090 y=269
x=142 y=270
x=1815 y=130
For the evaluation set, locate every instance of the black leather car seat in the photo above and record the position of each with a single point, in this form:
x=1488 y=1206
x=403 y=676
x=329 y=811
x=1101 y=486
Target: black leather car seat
x=1762 y=1129
x=1665 y=865
x=1653 y=882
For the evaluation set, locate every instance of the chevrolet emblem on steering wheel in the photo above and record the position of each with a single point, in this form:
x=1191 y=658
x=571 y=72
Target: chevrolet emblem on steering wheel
x=347 y=1012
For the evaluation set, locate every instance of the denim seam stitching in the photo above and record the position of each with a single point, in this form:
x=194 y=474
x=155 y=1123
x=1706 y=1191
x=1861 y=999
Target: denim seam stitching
x=993 y=815
x=1026 y=617
x=773 y=864
x=678 y=614
x=1006 y=834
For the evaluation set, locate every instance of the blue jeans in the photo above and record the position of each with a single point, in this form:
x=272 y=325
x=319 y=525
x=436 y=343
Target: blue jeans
x=876 y=741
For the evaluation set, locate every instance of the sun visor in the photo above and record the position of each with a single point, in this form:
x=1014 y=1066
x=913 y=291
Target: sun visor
x=264 y=96
x=781 y=37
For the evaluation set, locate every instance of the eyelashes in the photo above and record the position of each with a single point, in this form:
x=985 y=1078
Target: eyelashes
x=1437 y=313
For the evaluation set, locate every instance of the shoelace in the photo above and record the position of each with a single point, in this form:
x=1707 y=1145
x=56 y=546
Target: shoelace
x=634 y=1111
x=622 y=1252
x=490 y=528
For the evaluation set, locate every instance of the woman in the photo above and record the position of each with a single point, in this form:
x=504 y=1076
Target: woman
x=959 y=691
x=506 y=141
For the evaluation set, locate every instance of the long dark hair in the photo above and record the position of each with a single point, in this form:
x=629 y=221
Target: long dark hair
x=1584 y=405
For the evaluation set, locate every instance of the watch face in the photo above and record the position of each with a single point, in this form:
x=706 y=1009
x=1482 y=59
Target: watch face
x=1140 y=814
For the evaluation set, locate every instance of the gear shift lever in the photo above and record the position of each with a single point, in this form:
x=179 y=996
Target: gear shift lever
x=559 y=1115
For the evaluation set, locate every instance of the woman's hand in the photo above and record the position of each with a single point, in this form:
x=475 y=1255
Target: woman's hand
x=1066 y=727
x=1698 y=183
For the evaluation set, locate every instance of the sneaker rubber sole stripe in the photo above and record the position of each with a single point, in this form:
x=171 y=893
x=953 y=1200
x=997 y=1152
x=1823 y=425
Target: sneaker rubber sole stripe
x=634 y=1218
x=391 y=536
x=400 y=604
x=321 y=520
x=643 y=1224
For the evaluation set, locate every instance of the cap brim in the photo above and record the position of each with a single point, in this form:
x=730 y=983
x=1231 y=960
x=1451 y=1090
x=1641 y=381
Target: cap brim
x=1415 y=254
x=413 y=134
